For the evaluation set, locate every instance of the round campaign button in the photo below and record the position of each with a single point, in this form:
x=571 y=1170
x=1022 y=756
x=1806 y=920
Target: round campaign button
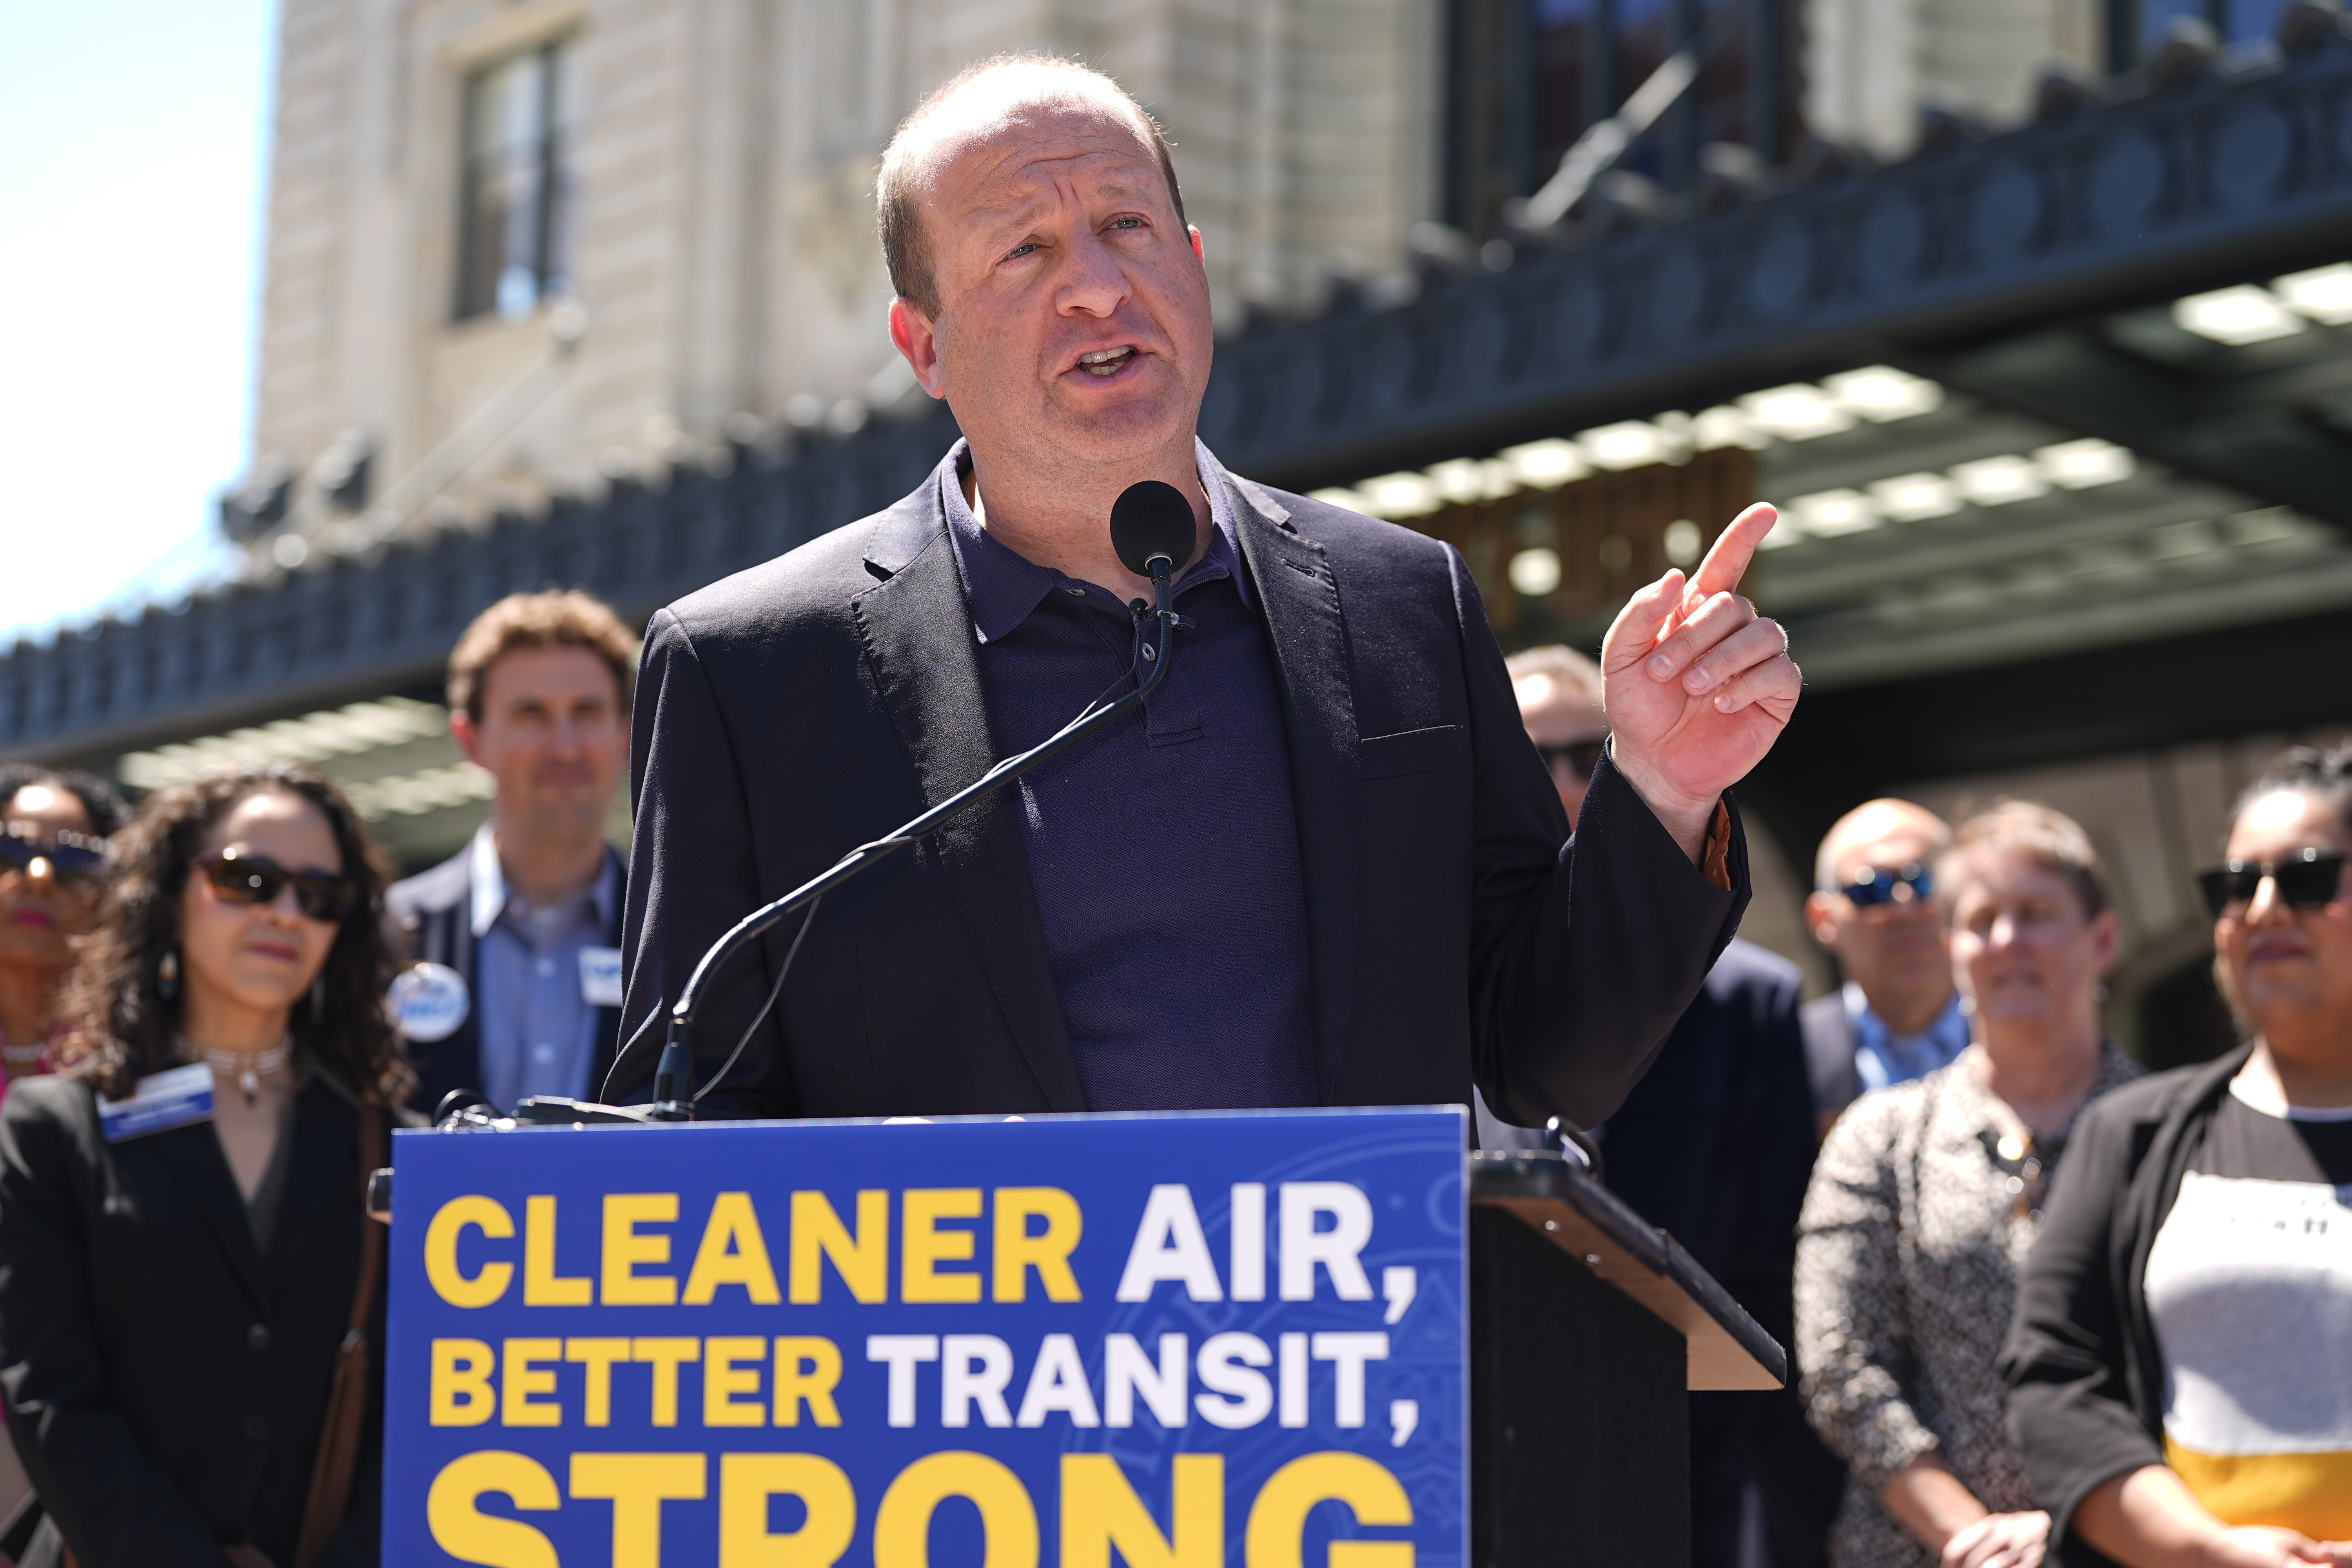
x=428 y=1001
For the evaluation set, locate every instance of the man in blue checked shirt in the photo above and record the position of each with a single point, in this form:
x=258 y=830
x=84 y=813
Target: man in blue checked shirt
x=1897 y=1017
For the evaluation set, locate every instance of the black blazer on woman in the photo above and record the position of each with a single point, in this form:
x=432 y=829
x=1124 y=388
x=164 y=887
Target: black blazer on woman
x=2085 y=1372
x=167 y=1382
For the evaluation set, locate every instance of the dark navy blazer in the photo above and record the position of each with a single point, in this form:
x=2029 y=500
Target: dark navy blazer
x=1454 y=934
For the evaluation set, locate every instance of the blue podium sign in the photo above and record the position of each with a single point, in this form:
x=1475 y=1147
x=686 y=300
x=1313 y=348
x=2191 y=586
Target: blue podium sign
x=1171 y=1342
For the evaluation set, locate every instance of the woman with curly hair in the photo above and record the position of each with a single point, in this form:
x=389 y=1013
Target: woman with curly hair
x=179 y=1288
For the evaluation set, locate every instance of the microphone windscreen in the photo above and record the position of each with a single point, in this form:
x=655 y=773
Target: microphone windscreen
x=1151 y=519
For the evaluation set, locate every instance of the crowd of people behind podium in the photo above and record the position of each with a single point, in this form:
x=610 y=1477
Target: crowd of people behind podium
x=2041 y=1304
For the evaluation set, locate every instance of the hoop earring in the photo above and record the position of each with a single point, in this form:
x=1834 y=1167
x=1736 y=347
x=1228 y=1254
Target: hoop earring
x=318 y=999
x=167 y=975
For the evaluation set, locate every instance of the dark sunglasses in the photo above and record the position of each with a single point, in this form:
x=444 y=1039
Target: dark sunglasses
x=257 y=879
x=1875 y=886
x=74 y=857
x=2307 y=880
x=1582 y=755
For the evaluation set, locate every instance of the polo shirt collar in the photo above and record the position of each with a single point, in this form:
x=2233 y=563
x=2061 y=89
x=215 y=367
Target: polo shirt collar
x=1002 y=585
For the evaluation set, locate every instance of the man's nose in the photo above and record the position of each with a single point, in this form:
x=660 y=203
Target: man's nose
x=2266 y=908
x=41 y=871
x=1095 y=283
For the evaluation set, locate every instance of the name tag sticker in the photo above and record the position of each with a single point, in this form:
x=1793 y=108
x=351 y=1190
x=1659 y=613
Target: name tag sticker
x=160 y=1102
x=428 y=1002
x=600 y=976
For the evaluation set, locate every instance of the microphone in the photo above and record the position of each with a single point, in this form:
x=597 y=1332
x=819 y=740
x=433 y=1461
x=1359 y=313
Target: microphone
x=1151 y=527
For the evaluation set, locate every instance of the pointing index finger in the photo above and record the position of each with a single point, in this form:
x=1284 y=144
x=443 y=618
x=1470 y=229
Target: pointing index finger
x=1735 y=547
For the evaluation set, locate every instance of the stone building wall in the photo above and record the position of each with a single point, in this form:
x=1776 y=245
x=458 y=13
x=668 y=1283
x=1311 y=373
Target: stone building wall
x=724 y=259
x=1871 y=66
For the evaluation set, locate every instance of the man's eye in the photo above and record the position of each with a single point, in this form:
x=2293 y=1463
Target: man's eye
x=1129 y=221
x=1019 y=250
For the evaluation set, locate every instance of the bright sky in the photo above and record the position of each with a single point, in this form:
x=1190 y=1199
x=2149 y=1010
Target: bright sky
x=133 y=154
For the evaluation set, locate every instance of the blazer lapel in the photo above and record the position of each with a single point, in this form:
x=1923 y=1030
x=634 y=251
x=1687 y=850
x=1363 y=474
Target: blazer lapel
x=916 y=629
x=193 y=1156
x=1293 y=579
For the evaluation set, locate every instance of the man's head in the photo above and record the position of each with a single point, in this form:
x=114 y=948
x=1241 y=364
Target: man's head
x=539 y=695
x=1873 y=907
x=1048 y=285
x=1559 y=693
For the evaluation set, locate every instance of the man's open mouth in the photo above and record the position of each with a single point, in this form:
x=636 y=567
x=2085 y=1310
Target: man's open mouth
x=1106 y=362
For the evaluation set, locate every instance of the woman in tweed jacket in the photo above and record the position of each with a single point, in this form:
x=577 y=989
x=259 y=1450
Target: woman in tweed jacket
x=1927 y=1197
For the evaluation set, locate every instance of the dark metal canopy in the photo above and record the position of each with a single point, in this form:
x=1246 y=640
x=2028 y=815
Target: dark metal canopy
x=2029 y=274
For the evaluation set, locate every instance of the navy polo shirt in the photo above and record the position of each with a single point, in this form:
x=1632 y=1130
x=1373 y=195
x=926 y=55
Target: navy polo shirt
x=1163 y=850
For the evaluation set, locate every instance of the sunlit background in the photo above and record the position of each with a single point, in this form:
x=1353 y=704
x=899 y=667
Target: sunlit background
x=134 y=137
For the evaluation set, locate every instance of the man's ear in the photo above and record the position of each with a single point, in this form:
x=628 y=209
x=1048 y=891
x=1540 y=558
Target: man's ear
x=1198 y=253
x=917 y=337
x=1818 y=920
x=468 y=734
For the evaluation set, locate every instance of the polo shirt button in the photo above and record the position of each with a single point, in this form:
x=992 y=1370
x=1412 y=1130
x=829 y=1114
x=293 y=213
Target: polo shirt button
x=1076 y=592
x=257 y=1429
x=257 y=1337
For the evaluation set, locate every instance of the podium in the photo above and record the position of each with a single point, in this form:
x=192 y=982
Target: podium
x=1586 y=1326
x=1268 y=1339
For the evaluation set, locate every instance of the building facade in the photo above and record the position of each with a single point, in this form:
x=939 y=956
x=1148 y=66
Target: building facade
x=517 y=248
x=2032 y=315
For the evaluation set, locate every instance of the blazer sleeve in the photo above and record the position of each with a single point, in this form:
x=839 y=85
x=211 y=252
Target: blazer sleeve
x=1585 y=948
x=1853 y=1344
x=111 y=1502
x=2070 y=1405
x=692 y=874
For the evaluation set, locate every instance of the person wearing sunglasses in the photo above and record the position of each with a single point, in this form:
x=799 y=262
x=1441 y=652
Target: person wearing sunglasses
x=180 y=1276
x=1897 y=1017
x=1929 y=1196
x=1559 y=702
x=2180 y=1368
x=53 y=829
x=1712 y=1145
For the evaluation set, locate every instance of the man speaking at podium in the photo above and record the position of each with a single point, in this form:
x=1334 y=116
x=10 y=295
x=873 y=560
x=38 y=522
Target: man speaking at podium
x=1323 y=866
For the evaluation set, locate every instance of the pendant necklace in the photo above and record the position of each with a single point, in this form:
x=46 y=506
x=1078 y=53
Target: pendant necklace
x=248 y=1067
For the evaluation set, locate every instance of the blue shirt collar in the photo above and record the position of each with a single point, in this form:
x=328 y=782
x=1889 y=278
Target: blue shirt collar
x=1002 y=585
x=489 y=880
x=1883 y=1058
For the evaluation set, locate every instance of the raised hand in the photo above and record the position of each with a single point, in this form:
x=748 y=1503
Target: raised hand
x=1697 y=686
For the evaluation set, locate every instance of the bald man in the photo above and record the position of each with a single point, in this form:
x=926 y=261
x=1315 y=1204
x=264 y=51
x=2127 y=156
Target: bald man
x=1323 y=866
x=1897 y=1017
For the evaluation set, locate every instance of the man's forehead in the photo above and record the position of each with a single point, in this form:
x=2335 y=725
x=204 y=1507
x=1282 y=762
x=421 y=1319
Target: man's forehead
x=1545 y=691
x=1013 y=129
x=1895 y=842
